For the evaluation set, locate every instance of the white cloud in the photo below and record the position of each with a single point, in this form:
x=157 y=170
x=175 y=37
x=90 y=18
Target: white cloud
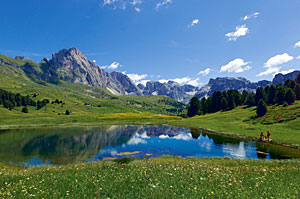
x=278 y=60
x=136 y=77
x=165 y=3
x=273 y=63
x=136 y=2
x=204 y=72
x=238 y=65
x=143 y=82
x=182 y=136
x=297 y=45
x=183 y=80
x=284 y=72
x=122 y=4
x=254 y=15
x=113 y=66
x=239 y=32
x=194 y=22
x=136 y=141
x=94 y=61
x=298 y=57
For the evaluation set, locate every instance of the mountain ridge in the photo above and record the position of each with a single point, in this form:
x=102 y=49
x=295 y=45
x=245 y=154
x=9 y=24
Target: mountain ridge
x=72 y=65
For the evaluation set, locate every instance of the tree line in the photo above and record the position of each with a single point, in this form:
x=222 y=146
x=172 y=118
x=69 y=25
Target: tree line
x=281 y=94
x=10 y=100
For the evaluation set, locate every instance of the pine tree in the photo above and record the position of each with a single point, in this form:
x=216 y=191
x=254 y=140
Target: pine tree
x=244 y=97
x=290 y=96
x=280 y=95
x=224 y=104
x=231 y=102
x=250 y=101
x=25 y=110
x=298 y=78
x=216 y=101
x=194 y=108
x=297 y=91
x=261 y=108
x=203 y=105
x=290 y=83
x=209 y=105
x=260 y=94
x=271 y=99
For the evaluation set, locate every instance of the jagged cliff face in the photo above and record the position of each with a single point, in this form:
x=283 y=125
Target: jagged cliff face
x=171 y=89
x=280 y=78
x=227 y=83
x=72 y=65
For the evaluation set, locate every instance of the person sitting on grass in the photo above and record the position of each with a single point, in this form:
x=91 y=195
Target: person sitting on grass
x=262 y=136
x=268 y=135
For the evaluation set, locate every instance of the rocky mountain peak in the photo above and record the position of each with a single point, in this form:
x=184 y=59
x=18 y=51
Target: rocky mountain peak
x=280 y=78
x=68 y=57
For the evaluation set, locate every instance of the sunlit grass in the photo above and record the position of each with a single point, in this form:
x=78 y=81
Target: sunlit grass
x=166 y=177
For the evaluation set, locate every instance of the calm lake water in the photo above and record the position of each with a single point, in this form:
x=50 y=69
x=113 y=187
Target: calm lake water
x=58 y=146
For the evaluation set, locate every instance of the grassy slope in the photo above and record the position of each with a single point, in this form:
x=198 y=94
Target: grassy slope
x=74 y=96
x=164 y=177
x=239 y=121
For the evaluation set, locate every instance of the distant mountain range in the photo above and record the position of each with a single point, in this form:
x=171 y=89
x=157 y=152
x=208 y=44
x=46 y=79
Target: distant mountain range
x=72 y=65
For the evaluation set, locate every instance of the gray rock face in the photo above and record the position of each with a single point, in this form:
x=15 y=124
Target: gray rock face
x=280 y=78
x=227 y=83
x=171 y=89
x=72 y=65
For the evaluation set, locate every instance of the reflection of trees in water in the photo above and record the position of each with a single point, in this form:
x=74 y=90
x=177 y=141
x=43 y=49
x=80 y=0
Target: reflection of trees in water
x=70 y=145
x=217 y=139
x=276 y=151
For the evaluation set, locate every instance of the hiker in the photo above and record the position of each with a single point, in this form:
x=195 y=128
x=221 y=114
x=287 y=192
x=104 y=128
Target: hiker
x=262 y=136
x=268 y=135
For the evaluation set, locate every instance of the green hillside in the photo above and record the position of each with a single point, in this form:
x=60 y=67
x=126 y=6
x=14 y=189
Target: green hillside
x=86 y=103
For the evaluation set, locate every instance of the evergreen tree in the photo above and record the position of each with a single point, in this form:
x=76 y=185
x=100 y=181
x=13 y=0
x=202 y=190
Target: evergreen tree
x=266 y=91
x=216 y=101
x=290 y=83
x=280 y=95
x=8 y=104
x=194 y=108
x=262 y=108
x=297 y=92
x=224 y=104
x=298 y=78
x=231 y=102
x=290 y=96
x=209 y=105
x=244 y=97
x=271 y=99
x=25 y=110
x=250 y=101
x=203 y=105
x=225 y=94
x=259 y=95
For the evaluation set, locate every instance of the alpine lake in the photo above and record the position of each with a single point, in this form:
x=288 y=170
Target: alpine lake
x=68 y=145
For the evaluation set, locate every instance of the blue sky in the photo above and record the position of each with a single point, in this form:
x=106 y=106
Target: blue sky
x=186 y=40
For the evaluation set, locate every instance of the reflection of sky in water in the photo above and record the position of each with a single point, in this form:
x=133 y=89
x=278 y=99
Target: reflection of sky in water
x=35 y=162
x=182 y=144
x=77 y=145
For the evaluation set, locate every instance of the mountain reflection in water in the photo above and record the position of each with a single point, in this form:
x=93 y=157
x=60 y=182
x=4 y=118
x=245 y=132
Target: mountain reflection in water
x=57 y=146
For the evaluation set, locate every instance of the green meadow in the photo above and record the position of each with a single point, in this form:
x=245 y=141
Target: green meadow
x=165 y=177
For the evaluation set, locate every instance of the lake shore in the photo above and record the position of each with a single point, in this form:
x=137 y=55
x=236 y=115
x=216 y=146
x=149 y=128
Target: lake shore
x=154 y=119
